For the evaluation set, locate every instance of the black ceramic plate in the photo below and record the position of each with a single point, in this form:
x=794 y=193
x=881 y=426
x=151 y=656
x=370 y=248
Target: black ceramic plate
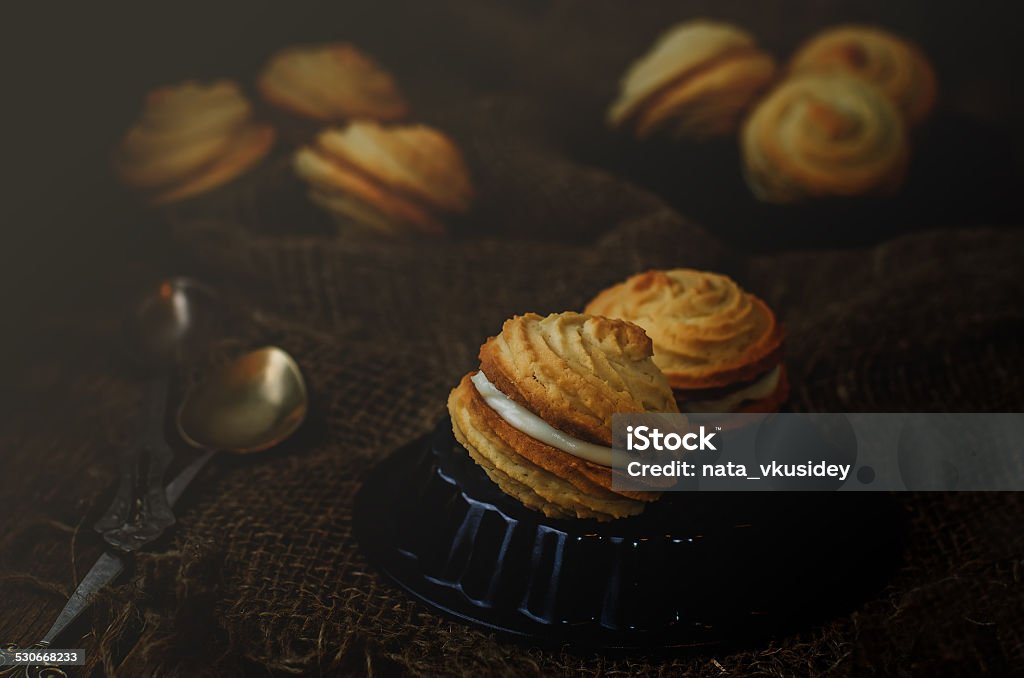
x=693 y=569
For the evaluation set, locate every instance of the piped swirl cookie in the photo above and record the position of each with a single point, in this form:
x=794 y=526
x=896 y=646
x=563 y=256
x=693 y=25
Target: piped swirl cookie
x=895 y=65
x=719 y=346
x=331 y=83
x=537 y=415
x=821 y=136
x=191 y=138
x=696 y=81
x=396 y=179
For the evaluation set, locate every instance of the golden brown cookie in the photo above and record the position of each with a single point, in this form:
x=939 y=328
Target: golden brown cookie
x=389 y=179
x=573 y=372
x=576 y=371
x=245 y=150
x=331 y=83
x=715 y=342
x=191 y=138
x=818 y=136
x=893 y=64
x=696 y=81
x=538 y=475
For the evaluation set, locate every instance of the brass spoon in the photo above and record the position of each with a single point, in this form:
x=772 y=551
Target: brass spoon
x=250 y=404
x=175 y=320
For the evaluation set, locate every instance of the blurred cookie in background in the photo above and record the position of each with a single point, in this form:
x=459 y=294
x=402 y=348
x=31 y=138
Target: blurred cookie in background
x=696 y=81
x=898 y=67
x=190 y=138
x=331 y=83
x=819 y=136
x=388 y=179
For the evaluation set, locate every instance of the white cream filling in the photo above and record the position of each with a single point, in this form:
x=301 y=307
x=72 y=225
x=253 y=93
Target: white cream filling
x=762 y=388
x=525 y=421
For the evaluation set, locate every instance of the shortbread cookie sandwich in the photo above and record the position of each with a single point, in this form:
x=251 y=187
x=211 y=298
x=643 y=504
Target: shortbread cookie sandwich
x=696 y=81
x=537 y=415
x=719 y=346
x=191 y=138
x=394 y=180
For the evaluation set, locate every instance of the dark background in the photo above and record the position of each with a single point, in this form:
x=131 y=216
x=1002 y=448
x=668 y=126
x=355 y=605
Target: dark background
x=76 y=73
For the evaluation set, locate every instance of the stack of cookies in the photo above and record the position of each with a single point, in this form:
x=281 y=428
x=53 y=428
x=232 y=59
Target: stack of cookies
x=537 y=415
x=696 y=81
x=835 y=126
x=367 y=171
x=191 y=138
x=393 y=180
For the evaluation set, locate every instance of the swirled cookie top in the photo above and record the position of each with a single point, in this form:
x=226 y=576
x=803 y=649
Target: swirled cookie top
x=896 y=66
x=706 y=330
x=824 y=135
x=575 y=371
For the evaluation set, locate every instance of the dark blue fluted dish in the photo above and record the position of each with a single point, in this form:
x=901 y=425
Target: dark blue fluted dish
x=693 y=569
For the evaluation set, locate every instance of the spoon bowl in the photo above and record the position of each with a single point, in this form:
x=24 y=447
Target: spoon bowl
x=248 y=405
x=173 y=321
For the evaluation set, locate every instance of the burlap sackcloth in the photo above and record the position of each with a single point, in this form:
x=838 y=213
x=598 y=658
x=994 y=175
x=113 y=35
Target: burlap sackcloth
x=262 y=569
x=262 y=572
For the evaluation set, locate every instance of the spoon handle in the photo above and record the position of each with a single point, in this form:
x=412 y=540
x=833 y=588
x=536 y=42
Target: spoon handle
x=150 y=459
x=111 y=564
x=181 y=481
